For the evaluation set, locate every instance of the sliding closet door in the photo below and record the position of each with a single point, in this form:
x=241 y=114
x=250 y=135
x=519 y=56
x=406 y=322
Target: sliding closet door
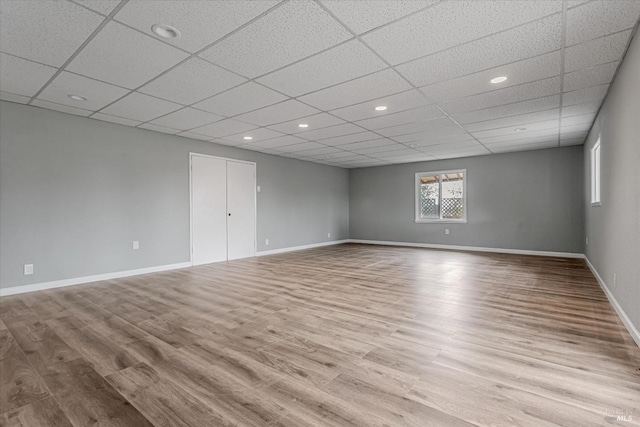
x=241 y=207
x=208 y=210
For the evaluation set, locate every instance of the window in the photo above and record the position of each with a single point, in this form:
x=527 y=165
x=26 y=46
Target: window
x=595 y=174
x=441 y=196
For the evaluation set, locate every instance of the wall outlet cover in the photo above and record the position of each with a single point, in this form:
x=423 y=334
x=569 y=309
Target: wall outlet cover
x=28 y=269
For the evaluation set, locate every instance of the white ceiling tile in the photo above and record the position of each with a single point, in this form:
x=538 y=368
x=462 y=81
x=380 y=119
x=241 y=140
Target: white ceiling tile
x=574 y=3
x=509 y=95
x=571 y=141
x=393 y=147
x=593 y=93
x=278 y=113
x=41 y=30
x=367 y=144
x=259 y=134
x=60 y=107
x=421 y=114
x=525 y=147
x=23 y=77
x=247 y=97
x=348 y=139
x=280 y=142
x=378 y=13
x=137 y=58
x=193 y=135
x=330 y=132
x=137 y=106
x=223 y=128
x=12 y=97
x=600 y=18
x=572 y=135
x=287 y=34
x=199 y=22
x=514 y=45
x=577 y=120
x=299 y=147
x=377 y=85
x=525 y=71
x=575 y=128
x=459 y=154
x=319 y=152
x=501 y=111
x=223 y=141
x=595 y=52
x=511 y=130
x=401 y=42
x=521 y=137
x=156 y=128
x=317 y=121
x=336 y=65
x=440 y=137
x=187 y=118
x=579 y=109
x=192 y=81
x=593 y=76
x=449 y=147
x=101 y=6
x=395 y=103
x=514 y=121
x=114 y=119
x=98 y=94
x=430 y=125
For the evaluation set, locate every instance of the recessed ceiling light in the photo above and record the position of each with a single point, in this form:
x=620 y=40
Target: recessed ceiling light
x=497 y=80
x=520 y=129
x=165 y=31
x=248 y=138
x=380 y=108
x=413 y=145
x=303 y=125
x=77 y=97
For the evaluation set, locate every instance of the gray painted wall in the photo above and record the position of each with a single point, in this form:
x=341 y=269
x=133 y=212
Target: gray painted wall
x=613 y=228
x=75 y=193
x=527 y=200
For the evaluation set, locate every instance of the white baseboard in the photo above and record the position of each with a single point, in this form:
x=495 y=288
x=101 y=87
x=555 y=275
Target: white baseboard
x=470 y=248
x=299 y=248
x=633 y=331
x=88 y=279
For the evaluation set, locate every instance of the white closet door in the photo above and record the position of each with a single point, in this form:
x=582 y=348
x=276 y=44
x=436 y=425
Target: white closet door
x=241 y=207
x=208 y=209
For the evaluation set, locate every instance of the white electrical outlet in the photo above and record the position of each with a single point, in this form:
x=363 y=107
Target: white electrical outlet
x=266 y=242
x=446 y=231
x=28 y=269
x=329 y=235
x=136 y=245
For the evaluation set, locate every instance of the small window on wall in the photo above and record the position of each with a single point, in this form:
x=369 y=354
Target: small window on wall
x=441 y=196
x=595 y=174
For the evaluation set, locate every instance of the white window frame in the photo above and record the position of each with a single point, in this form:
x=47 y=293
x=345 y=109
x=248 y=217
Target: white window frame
x=440 y=220
x=596 y=173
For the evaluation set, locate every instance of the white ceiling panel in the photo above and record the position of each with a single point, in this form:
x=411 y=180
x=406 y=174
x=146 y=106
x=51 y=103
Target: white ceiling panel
x=259 y=134
x=104 y=7
x=373 y=86
x=247 y=97
x=12 y=97
x=157 y=128
x=277 y=113
x=330 y=132
x=399 y=102
x=194 y=135
x=137 y=58
x=421 y=114
x=448 y=146
x=280 y=142
x=593 y=93
x=40 y=30
x=349 y=139
x=98 y=94
x=296 y=148
x=578 y=120
x=525 y=147
x=378 y=12
x=571 y=141
x=451 y=140
x=517 y=73
x=291 y=32
x=223 y=141
x=514 y=121
x=187 y=118
x=192 y=81
x=223 y=128
x=61 y=107
x=336 y=65
x=593 y=76
x=114 y=119
x=600 y=18
x=538 y=104
x=595 y=52
x=579 y=109
x=510 y=130
x=393 y=131
x=138 y=106
x=199 y=22
x=509 y=46
x=432 y=136
x=538 y=135
x=317 y=121
x=481 y=151
x=319 y=152
x=400 y=42
x=396 y=149
x=367 y=144
x=23 y=77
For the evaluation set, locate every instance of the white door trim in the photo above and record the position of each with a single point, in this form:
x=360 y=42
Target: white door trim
x=255 y=179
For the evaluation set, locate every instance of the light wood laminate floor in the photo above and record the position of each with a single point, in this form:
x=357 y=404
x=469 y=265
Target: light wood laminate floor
x=340 y=335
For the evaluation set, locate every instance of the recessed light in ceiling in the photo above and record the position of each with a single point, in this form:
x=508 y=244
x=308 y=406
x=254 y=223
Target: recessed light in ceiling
x=497 y=80
x=303 y=125
x=77 y=97
x=165 y=31
x=413 y=145
x=380 y=108
x=520 y=129
x=248 y=138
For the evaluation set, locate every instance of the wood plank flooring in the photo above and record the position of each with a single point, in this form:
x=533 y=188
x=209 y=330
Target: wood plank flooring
x=335 y=336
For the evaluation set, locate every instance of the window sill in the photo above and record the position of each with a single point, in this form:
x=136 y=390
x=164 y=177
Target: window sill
x=440 y=221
